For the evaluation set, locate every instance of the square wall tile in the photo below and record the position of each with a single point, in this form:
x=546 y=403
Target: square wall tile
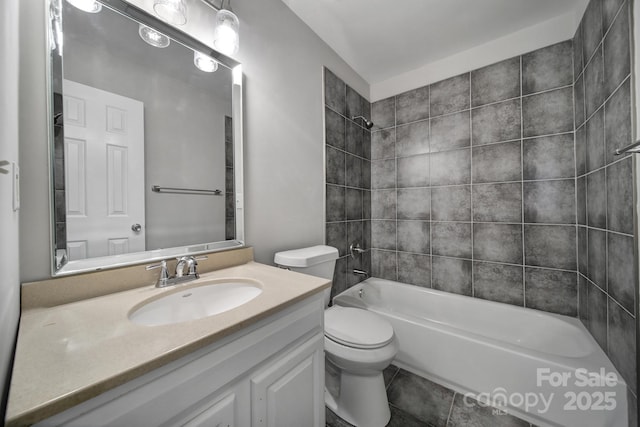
x=412 y=105
x=337 y=236
x=578 y=101
x=383 y=174
x=550 y=202
x=581 y=150
x=414 y=269
x=547 y=68
x=413 y=171
x=383 y=204
x=609 y=10
x=383 y=113
x=414 y=236
x=335 y=166
x=617 y=122
x=451 y=239
x=597 y=253
x=383 y=144
x=383 y=235
x=450 y=95
x=583 y=258
x=595 y=141
x=578 y=62
x=497 y=242
x=496 y=82
x=620 y=271
x=353 y=203
x=451 y=203
x=384 y=264
x=354 y=139
x=620 y=196
x=548 y=157
x=497 y=202
x=583 y=295
x=622 y=343
x=366 y=144
x=594 y=92
x=548 y=112
x=412 y=139
x=552 y=246
x=335 y=203
x=353 y=103
x=498 y=282
x=334 y=92
x=451 y=167
x=497 y=163
x=592 y=28
x=334 y=129
x=581 y=200
x=366 y=174
x=551 y=290
x=597 y=308
x=497 y=122
x=354 y=167
x=617 y=52
x=451 y=275
x=451 y=131
x=596 y=200
x=366 y=204
x=414 y=203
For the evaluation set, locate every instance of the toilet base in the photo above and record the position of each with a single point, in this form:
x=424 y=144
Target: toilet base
x=362 y=400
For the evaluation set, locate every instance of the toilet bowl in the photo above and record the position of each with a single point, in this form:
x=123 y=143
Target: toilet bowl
x=359 y=345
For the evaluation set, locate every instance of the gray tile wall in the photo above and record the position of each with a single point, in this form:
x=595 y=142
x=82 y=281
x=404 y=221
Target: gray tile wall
x=348 y=179
x=602 y=95
x=473 y=186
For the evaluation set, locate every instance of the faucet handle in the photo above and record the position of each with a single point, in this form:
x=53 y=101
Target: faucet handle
x=192 y=262
x=164 y=273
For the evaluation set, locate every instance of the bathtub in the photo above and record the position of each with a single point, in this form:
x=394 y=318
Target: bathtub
x=541 y=367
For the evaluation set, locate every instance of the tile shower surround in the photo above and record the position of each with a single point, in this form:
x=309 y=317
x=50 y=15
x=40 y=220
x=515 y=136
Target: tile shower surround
x=507 y=208
x=473 y=183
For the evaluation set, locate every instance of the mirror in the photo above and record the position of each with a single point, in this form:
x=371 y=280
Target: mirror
x=146 y=148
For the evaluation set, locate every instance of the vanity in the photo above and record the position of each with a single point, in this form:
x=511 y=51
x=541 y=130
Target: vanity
x=86 y=363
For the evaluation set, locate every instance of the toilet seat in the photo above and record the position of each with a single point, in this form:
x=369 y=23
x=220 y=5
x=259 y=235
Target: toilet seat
x=356 y=328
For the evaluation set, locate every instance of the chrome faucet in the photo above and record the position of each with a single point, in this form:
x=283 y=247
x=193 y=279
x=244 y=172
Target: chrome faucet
x=192 y=272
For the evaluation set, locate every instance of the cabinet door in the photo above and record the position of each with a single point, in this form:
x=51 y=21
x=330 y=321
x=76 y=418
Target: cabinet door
x=220 y=414
x=289 y=391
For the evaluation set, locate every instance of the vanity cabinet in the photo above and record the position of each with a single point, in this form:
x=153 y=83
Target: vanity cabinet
x=268 y=374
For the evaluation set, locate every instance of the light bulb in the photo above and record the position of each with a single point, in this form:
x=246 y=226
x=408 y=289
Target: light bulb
x=205 y=62
x=152 y=37
x=173 y=12
x=90 y=6
x=226 y=36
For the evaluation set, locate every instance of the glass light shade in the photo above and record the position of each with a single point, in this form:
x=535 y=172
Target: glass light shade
x=152 y=37
x=205 y=62
x=90 y=6
x=173 y=12
x=226 y=36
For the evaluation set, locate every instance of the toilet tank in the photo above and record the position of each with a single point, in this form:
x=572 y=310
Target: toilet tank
x=318 y=261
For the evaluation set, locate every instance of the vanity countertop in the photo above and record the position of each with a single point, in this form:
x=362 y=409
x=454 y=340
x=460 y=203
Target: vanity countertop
x=73 y=352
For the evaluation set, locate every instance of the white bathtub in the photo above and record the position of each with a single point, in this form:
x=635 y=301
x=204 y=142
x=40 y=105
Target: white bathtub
x=494 y=352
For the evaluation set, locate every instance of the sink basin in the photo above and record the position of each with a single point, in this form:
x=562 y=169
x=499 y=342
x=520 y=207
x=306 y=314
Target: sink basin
x=202 y=300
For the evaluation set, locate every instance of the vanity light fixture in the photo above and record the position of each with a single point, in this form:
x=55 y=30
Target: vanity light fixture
x=153 y=37
x=90 y=6
x=226 y=35
x=173 y=12
x=204 y=62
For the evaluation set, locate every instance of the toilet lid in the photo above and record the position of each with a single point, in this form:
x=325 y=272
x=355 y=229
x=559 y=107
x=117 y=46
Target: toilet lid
x=357 y=328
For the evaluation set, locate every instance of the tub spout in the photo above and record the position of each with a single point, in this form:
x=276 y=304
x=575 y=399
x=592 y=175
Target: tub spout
x=360 y=273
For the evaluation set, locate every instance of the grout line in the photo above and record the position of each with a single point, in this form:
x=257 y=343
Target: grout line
x=575 y=184
x=473 y=287
x=522 y=207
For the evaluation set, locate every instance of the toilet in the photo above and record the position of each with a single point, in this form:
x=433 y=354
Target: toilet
x=358 y=345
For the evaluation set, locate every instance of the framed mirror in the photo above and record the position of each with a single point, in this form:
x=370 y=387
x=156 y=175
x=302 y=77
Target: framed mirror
x=145 y=139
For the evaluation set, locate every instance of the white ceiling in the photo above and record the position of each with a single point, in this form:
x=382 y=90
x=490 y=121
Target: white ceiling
x=383 y=39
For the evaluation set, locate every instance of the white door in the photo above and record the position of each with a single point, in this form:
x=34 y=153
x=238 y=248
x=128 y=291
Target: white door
x=104 y=172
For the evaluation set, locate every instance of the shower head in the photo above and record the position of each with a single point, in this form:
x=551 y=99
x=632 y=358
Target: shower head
x=366 y=122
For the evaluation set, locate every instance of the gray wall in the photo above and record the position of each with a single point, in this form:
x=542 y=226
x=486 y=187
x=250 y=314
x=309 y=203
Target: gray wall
x=348 y=179
x=9 y=224
x=283 y=130
x=473 y=183
x=184 y=113
x=605 y=182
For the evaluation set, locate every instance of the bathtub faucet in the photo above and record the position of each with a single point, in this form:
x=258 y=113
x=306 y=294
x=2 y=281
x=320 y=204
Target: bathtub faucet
x=361 y=273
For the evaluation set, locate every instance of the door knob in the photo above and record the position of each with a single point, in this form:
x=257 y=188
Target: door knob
x=136 y=228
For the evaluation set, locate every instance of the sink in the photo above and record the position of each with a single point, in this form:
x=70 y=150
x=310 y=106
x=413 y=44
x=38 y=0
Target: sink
x=195 y=302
